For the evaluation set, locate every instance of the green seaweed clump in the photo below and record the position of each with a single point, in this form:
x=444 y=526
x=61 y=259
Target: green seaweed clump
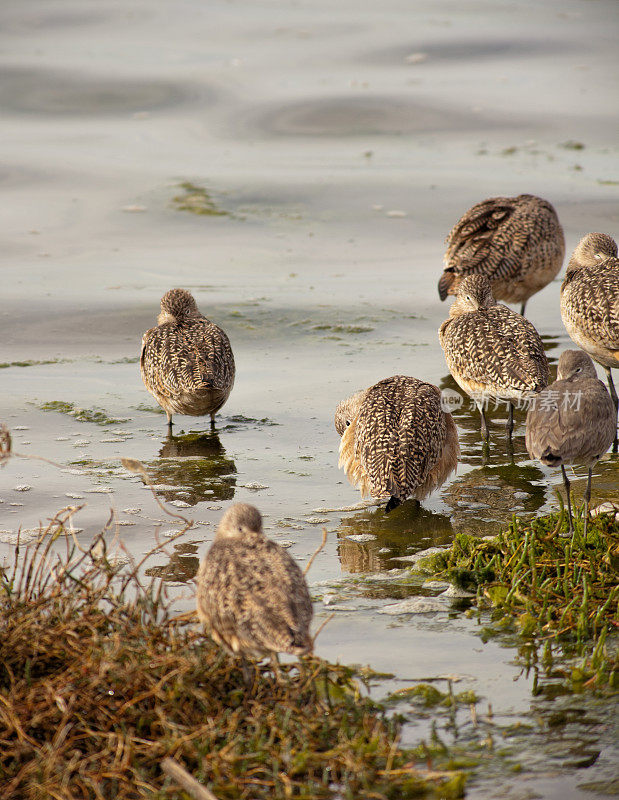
x=30 y=363
x=545 y=584
x=196 y=200
x=106 y=693
x=82 y=414
x=430 y=696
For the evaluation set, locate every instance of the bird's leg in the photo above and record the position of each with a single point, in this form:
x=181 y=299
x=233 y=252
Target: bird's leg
x=393 y=502
x=484 y=426
x=169 y=416
x=485 y=453
x=212 y=421
x=509 y=449
x=587 y=501
x=510 y=421
x=275 y=666
x=248 y=674
x=522 y=307
x=615 y=399
x=569 y=504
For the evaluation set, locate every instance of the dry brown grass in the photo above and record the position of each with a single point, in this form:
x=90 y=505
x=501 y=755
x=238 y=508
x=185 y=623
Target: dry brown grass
x=100 y=682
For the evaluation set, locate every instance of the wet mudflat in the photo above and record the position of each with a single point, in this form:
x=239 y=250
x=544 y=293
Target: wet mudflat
x=297 y=168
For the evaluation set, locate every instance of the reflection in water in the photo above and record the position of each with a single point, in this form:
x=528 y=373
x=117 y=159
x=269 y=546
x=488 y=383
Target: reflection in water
x=193 y=468
x=395 y=532
x=484 y=499
x=183 y=564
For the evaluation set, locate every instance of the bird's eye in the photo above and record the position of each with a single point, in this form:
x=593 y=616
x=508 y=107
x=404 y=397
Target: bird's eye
x=347 y=422
x=578 y=370
x=468 y=297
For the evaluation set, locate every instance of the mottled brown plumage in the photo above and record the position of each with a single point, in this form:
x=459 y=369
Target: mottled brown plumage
x=251 y=596
x=396 y=439
x=590 y=301
x=186 y=361
x=491 y=351
x=573 y=420
x=516 y=242
x=5 y=444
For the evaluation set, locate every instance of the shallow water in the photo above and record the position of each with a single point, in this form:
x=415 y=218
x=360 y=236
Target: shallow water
x=331 y=149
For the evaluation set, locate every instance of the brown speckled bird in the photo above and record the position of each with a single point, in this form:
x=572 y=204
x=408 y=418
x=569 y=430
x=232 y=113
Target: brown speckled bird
x=5 y=444
x=396 y=440
x=572 y=421
x=590 y=302
x=251 y=596
x=491 y=351
x=516 y=242
x=186 y=361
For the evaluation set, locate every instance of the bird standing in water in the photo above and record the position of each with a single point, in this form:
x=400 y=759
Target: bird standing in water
x=491 y=351
x=186 y=360
x=515 y=242
x=397 y=440
x=590 y=303
x=572 y=421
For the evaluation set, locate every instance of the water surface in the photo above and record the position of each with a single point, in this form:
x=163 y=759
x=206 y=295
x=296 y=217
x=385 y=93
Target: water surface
x=330 y=149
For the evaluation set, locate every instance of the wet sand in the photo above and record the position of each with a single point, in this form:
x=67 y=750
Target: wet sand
x=340 y=145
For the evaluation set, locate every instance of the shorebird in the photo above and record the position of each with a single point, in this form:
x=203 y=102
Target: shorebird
x=397 y=440
x=491 y=351
x=572 y=421
x=516 y=242
x=251 y=595
x=186 y=361
x=590 y=303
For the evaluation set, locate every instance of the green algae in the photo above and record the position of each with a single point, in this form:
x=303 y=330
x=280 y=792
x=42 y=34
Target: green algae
x=196 y=199
x=353 y=329
x=545 y=585
x=430 y=696
x=32 y=363
x=571 y=144
x=94 y=415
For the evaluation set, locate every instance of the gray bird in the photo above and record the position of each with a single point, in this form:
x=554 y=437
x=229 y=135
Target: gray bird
x=572 y=421
x=397 y=440
x=186 y=361
x=590 y=302
x=516 y=242
x=491 y=351
x=251 y=596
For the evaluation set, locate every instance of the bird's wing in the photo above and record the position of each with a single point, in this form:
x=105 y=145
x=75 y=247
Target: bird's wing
x=494 y=236
x=495 y=349
x=178 y=358
x=570 y=422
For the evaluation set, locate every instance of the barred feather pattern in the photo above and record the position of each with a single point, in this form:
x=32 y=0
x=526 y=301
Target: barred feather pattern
x=251 y=596
x=399 y=441
x=590 y=298
x=516 y=242
x=572 y=421
x=186 y=360
x=490 y=349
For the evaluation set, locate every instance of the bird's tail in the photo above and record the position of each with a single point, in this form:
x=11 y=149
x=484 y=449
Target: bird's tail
x=550 y=459
x=444 y=284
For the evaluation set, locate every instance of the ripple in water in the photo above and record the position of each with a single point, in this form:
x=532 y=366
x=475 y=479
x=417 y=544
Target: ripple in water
x=363 y=116
x=59 y=93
